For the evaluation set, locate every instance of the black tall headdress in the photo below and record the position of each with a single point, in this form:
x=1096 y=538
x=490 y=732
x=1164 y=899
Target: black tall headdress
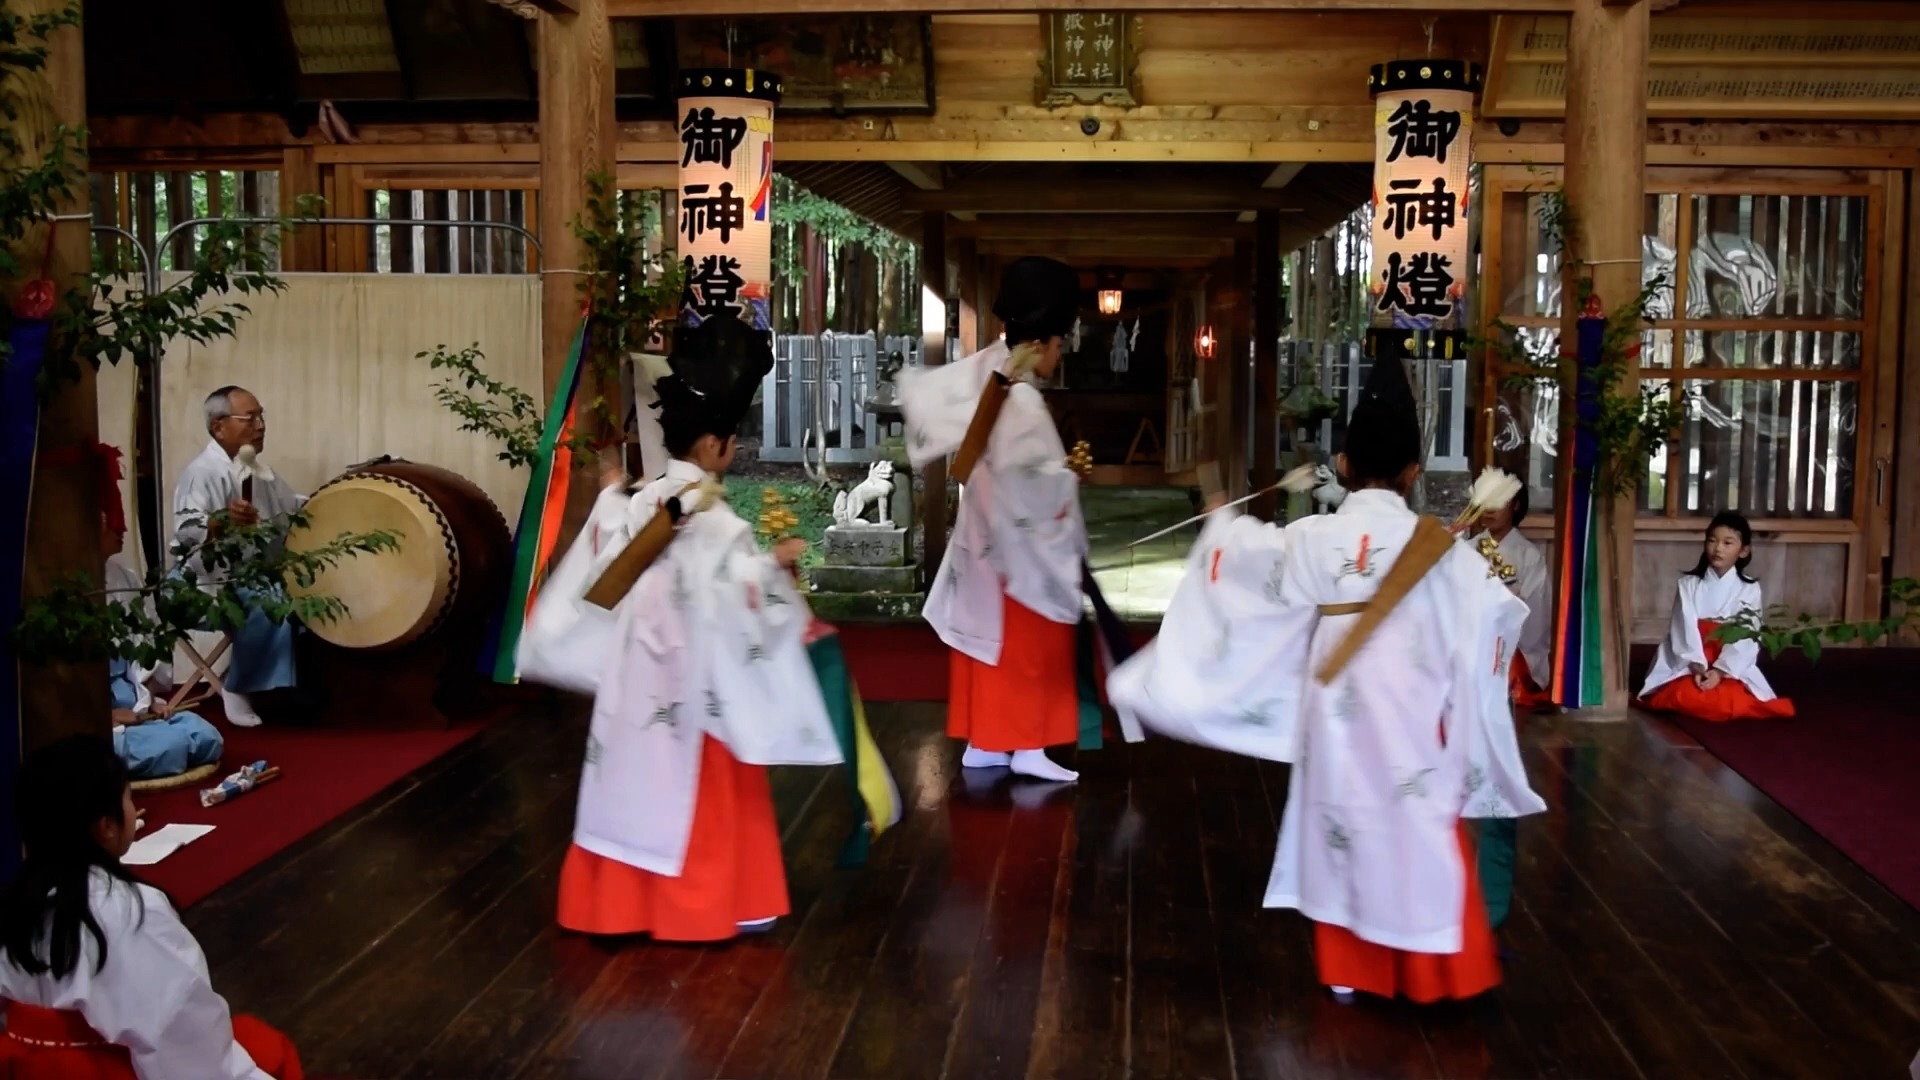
x=1039 y=298
x=1383 y=432
x=715 y=369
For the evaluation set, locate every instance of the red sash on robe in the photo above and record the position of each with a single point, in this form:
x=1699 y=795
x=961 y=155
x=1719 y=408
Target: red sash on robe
x=1030 y=699
x=1731 y=700
x=58 y=1044
x=732 y=873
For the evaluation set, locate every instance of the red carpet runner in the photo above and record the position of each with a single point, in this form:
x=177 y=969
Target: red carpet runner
x=1846 y=765
x=327 y=771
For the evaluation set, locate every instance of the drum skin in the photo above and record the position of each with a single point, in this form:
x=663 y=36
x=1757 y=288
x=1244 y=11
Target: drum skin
x=450 y=570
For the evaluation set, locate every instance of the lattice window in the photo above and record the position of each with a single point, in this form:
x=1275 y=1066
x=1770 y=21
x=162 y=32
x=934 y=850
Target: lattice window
x=1768 y=328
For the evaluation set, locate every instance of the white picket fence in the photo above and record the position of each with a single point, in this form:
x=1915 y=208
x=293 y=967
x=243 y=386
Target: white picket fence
x=1343 y=371
x=813 y=403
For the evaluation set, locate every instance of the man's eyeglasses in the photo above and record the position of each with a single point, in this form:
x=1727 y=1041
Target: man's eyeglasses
x=249 y=417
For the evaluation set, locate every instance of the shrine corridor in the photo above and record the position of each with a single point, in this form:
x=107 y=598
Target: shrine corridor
x=1670 y=921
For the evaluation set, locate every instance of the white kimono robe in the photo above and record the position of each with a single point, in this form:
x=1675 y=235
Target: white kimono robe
x=1710 y=596
x=1019 y=532
x=567 y=642
x=710 y=641
x=1368 y=841
x=153 y=997
x=1534 y=586
x=262 y=657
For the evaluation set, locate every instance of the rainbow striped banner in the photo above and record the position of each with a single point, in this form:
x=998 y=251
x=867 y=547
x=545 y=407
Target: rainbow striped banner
x=1579 y=661
x=538 y=533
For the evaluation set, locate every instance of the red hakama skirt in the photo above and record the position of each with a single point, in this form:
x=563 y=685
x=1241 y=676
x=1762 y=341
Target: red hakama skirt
x=1525 y=692
x=59 y=1044
x=1731 y=700
x=1030 y=699
x=732 y=874
x=1346 y=960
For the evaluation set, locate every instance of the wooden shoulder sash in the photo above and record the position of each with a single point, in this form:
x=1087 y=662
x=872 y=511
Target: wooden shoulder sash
x=640 y=553
x=985 y=414
x=1428 y=546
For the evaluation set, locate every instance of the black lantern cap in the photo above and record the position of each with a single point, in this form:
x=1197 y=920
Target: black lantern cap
x=1399 y=75
x=729 y=82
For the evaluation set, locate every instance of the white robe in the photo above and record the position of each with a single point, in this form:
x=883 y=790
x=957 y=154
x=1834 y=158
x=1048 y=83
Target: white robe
x=1368 y=841
x=567 y=642
x=153 y=996
x=1019 y=532
x=709 y=641
x=210 y=482
x=262 y=654
x=1710 y=596
x=1534 y=586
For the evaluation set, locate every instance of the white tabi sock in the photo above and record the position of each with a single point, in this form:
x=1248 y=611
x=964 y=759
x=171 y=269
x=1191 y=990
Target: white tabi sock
x=984 y=759
x=239 y=710
x=1037 y=764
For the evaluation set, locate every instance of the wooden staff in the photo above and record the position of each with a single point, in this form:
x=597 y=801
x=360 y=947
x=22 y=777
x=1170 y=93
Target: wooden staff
x=640 y=553
x=980 y=429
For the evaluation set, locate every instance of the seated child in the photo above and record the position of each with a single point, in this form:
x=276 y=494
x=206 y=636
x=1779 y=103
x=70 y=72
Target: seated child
x=1694 y=673
x=148 y=735
x=99 y=978
x=1532 y=584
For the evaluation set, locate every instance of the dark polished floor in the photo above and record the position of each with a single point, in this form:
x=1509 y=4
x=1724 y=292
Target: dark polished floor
x=1671 y=921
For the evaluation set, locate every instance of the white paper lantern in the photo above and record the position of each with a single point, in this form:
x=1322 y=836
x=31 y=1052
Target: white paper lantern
x=725 y=118
x=1423 y=136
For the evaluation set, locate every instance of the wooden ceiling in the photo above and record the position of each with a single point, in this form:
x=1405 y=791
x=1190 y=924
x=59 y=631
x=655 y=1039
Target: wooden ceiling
x=1109 y=214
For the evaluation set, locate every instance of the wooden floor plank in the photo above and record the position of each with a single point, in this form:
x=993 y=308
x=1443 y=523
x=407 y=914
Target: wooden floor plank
x=1080 y=1026
x=1786 y=996
x=1178 y=1023
x=1669 y=921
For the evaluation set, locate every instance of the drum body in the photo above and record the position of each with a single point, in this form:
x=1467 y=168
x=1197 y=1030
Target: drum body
x=449 y=571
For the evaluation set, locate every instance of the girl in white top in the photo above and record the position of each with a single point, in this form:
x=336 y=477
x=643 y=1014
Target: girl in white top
x=100 y=979
x=1696 y=674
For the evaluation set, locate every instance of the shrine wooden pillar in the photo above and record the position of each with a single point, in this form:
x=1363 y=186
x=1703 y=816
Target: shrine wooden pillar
x=1266 y=359
x=1605 y=186
x=576 y=141
x=63 y=519
x=935 y=280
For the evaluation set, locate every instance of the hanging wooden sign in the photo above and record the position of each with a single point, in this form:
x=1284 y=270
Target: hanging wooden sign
x=1092 y=58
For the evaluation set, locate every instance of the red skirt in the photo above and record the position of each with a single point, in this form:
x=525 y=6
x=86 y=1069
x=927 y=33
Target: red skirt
x=1030 y=699
x=58 y=1044
x=732 y=874
x=1346 y=960
x=1526 y=693
x=1731 y=700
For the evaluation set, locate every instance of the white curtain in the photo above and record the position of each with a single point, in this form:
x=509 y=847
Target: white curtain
x=332 y=360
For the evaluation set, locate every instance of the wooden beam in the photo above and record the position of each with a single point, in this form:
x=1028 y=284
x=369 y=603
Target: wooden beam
x=927 y=176
x=1266 y=360
x=1904 y=483
x=577 y=136
x=63 y=514
x=1605 y=182
x=1282 y=175
x=655 y=9
x=1121 y=250
x=933 y=508
x=1100 y=226
x=1000 y=196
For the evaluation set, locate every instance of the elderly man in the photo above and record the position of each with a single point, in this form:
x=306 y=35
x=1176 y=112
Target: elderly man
x=218 y=480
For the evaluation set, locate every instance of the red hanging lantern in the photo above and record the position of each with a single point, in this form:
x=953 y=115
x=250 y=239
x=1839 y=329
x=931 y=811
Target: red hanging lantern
x=1203 y=342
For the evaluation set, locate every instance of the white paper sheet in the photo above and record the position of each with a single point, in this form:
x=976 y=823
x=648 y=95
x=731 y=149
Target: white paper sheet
x=163 y=842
